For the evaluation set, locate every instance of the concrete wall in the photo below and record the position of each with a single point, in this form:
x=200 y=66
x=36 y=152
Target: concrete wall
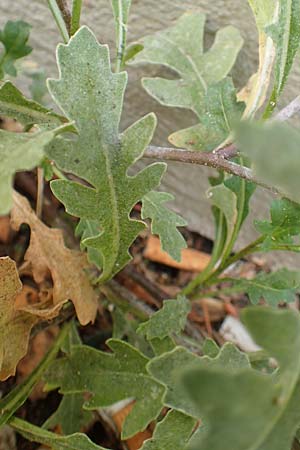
x=188 y=183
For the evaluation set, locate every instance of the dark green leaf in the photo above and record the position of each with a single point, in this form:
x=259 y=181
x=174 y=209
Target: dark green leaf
x=14 y=37
x=70 y=415
x=170 y=319
x=110 y=377
x=274 y=287
x=282 y=227
x=164 y=222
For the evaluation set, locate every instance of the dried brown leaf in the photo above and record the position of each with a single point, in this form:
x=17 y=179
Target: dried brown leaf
x=47 y=254
x=15 y=326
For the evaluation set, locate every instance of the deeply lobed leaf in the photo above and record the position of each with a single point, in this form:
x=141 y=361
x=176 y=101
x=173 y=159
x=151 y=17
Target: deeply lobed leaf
x=274 y=287
x=110 y=378
x=264 y=406
x=164 y=222
x=202 y=85
x=170 y=319
x=91 y=95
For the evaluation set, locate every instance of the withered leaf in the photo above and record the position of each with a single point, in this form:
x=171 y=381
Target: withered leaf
x=46 y=254
x=15 y=326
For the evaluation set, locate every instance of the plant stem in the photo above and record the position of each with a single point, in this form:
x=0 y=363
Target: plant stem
x=206 y=273
x=212 y=159
x=40 y=192
x=65 y=12
x=121 y=11
x=76 y=13
x=208 y=278
x=56 y=12
x=240 y=214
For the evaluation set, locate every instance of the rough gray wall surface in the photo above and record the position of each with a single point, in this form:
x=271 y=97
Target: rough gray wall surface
x=188 y=183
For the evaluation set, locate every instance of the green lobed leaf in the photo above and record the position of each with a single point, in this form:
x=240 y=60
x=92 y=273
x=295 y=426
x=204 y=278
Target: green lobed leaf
x=70 y=415
x=91 y=95
x=201 y=86
x=164 y=222
x=21 y=151
x=27 y=112
x=14 y=37
x=167 y=368
x=76 y=441
x=219 y=114
x=109 y=378
x=170 y=319
x=274 y=287
x=282 y=228
x=286 y=35
x=274 y=151
x=264 y=406
x=210 y=348
x=172 y=433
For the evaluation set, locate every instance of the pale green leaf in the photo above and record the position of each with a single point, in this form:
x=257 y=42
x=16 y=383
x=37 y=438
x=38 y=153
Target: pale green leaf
x=109 y=378
x=220 y=112
x=166 y=369
x=27 y=112
x=210 y=348
x=20 y=151
x=286 y=35
x=180 y=48
x=274 y=151
x=274 y=287
x=91 y=95
x=263 y=11
x=14 y=37
x=170 y=319
x=164 y=222
x=264 y=406
x=76 y=441
x=172 y=433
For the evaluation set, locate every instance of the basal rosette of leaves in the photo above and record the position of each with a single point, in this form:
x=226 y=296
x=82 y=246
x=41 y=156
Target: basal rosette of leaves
x=202 y=84
x=92 y=96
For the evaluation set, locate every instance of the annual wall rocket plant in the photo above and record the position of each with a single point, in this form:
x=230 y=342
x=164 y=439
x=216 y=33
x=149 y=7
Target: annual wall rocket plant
x=191 y=400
